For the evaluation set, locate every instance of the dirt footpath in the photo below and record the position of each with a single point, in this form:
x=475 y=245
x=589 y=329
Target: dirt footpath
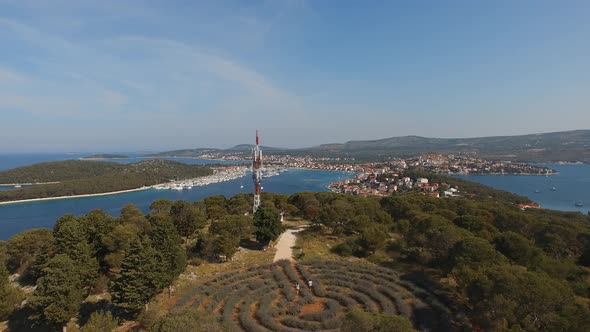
x=285 y=244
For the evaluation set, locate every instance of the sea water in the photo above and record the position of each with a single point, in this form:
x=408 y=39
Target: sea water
x=571 y=184
x=18 y=217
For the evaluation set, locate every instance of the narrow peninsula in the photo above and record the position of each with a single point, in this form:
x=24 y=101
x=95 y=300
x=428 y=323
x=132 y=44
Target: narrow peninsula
x=79 y=178
x=104 y=156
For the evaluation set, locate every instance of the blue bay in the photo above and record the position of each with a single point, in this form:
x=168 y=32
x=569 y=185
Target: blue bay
x=18 y=217
x=572 y=184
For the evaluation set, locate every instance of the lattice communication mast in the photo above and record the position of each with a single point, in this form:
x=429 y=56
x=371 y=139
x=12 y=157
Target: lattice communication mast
x=256 y=172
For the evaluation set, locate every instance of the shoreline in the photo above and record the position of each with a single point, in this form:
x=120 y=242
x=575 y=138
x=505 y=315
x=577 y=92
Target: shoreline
x=28 y=200
x=26 y=184
x=101 y=159
x=155 y=187
x=192 y=157
x=74 y=196
x=507 y=174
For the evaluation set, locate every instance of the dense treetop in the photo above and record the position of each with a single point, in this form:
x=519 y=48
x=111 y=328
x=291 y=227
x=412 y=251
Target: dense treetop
x=53 y=171
x=511 y=268
x=504 y=268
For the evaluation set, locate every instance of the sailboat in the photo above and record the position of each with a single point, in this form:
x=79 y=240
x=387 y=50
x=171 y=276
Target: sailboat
x=578 y=203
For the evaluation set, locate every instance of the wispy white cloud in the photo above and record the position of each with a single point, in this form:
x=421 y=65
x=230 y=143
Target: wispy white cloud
x=10 y=77
x=144 y=82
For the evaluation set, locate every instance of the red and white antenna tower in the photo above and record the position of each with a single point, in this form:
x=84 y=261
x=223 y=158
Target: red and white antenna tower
x=257 y=172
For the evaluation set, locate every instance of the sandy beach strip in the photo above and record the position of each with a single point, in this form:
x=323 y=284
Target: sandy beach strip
x=73 y=196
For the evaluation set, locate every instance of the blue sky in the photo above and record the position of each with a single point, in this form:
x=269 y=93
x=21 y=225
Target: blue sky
x=157 y=75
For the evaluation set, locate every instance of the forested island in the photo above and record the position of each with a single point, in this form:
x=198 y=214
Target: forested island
x=104 y=156
x=398 y=263
x=78 y=177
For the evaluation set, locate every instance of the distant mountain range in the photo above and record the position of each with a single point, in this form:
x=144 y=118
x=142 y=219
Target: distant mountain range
x=243 y=148
x=567 y=146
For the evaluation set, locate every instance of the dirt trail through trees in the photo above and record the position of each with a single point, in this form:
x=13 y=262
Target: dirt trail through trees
x=286 y=243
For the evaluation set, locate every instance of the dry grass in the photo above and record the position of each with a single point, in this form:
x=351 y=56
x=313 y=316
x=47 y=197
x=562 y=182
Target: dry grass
x=290 y=222
x=316 y=245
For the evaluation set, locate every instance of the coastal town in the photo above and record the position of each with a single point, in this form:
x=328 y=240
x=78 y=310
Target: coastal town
x=382 y=179
x=382 y=182
x=466 y=163
x=376 y=178
x=399 y=176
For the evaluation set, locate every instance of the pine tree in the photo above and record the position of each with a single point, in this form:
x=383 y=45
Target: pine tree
x=131 y=214
x=187 y=218
x=226 y=245
x=71 y=239
x=166 y=241
x=10 y=296
x=268 y=225
x=59 y=292
x=140 y=277
x=100 y=322
x=161 y=206
x=41 y=260
x=3 y=271
x=98 y=224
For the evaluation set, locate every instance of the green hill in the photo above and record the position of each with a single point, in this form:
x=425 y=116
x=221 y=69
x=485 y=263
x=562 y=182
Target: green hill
x=88 y=177
x=57 y=171
x=570 y=146
x=105 y=156
x=183 y=153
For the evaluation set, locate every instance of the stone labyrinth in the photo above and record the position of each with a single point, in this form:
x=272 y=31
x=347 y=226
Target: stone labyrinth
x=263 y=298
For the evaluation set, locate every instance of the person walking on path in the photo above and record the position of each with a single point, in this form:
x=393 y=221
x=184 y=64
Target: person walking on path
x=297 y=288
x=310 y=283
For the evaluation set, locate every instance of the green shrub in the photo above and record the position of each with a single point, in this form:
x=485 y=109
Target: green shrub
x=100 y=322
x=10 y=297
x=347 y=248
x=360 y=321
x=149 y=318
x=189 y=320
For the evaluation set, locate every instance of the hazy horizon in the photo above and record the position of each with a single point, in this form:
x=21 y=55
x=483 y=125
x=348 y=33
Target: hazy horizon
x=181 y=147
x=130 y=76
